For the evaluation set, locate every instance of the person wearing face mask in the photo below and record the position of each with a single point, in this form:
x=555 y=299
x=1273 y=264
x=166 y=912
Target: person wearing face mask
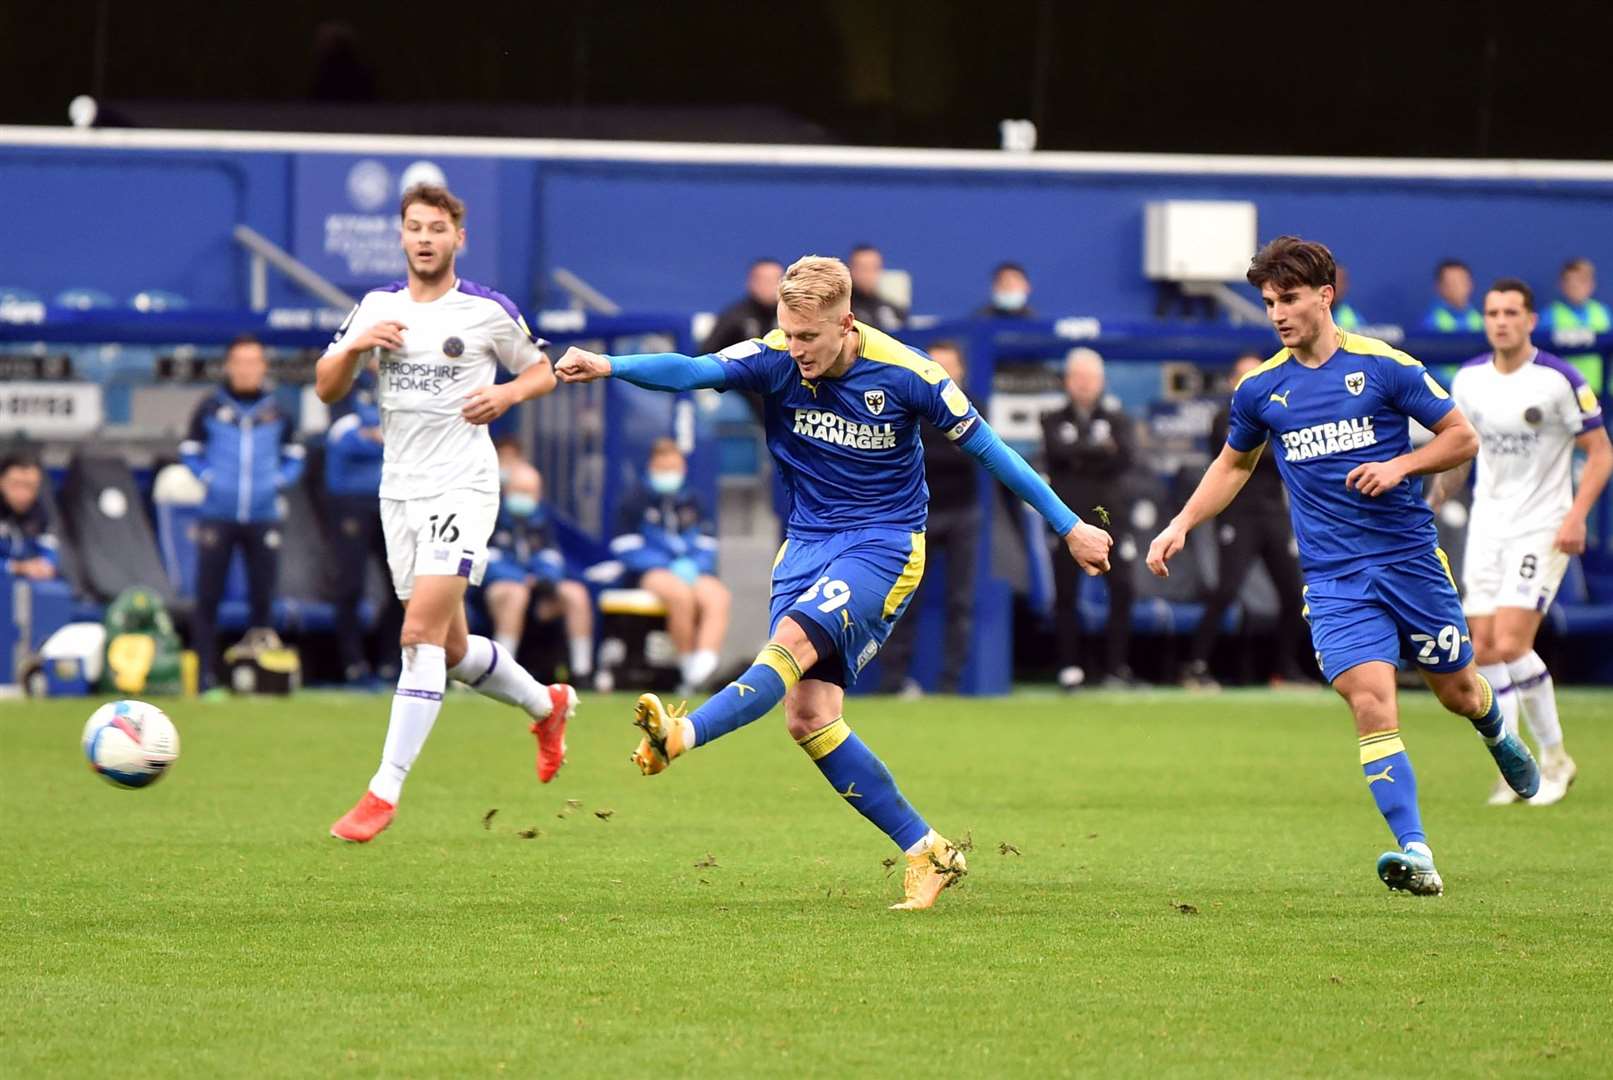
x=663 y=541
x=1010 y=294
x=1088 y=445
x=353 y=454
x=526 y=580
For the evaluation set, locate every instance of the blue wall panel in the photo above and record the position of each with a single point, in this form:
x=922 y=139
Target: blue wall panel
x=677 y=236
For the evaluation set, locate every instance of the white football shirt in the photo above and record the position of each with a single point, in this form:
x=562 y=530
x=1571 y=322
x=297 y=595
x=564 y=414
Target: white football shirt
x=450 y=347
x=1527 y=423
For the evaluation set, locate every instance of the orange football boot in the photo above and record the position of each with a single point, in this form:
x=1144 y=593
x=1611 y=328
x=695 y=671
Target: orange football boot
x=365 y=821
x=551 y=730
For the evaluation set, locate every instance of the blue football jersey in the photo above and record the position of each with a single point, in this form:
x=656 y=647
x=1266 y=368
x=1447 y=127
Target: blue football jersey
x=848 y=448
x=1321 y=423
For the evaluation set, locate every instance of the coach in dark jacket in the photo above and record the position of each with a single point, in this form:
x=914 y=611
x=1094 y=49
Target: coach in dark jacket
x=240 y=446
x=1088 y=446
x=752 y=315
x=1255 y=526
x=953 y=532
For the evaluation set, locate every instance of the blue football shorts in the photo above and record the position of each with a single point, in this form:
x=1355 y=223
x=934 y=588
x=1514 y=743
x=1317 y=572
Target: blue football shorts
x=1407 y=608
x=847 y=591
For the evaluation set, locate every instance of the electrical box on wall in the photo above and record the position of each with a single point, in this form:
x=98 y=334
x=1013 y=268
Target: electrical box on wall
x=1198 y=240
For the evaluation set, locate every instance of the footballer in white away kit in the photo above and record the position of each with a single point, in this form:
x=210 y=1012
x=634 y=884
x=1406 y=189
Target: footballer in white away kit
x=1530 y=409
x=441 y=340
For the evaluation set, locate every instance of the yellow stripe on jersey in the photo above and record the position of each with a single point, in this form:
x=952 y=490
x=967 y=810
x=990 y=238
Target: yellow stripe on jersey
x=1362 y=345
x=882 y=348
x=775 y=339
x=1279 y=358
x=909 y=579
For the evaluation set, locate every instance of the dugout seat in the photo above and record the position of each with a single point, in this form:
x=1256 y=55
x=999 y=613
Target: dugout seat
x=106 y=521
x=634 y=648
x=84 y=299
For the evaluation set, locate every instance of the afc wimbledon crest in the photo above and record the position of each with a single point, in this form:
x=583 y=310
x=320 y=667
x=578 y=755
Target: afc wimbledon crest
x=875 y=400
x=1355 y=382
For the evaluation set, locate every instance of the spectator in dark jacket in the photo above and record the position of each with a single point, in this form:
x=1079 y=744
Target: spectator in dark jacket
x=27 y=547
x=953 y=532
x=1089 y=444
x=240 y=446
x=867 y=266
x=752 y=315
x=1010 y=294
x=1254 y=527
x=353 y=453
x=527 y=580
x=665 y=546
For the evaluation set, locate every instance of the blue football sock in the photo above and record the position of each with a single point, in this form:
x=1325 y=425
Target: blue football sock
x=1489 y=723
x=863 y=781
x=1393 y=785
x=749 y=697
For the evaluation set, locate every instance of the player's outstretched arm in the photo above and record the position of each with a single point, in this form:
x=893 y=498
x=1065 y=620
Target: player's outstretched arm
x=1220 y=485
x=653 y=371
x=1454 y=443
x=1088 y=545
x=336 y=370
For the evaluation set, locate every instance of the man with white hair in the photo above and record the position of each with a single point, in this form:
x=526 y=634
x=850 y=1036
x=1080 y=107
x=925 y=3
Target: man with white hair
x=1088 y=445
x=843 y=405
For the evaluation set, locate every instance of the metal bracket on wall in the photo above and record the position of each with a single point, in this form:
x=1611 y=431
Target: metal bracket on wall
x=266 y=253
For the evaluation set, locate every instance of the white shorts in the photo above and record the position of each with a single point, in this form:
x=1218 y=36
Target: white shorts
x=442 y=535
x=1521 y=572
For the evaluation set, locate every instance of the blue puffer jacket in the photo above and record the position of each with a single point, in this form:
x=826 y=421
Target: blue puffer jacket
x=353 y=460
x=242 y=449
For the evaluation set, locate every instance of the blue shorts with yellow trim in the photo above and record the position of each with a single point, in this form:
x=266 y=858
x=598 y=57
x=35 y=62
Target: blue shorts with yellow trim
x=1409 y=608
x=851 y=587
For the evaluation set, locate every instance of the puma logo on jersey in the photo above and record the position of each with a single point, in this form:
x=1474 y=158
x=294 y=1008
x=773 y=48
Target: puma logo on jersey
x=1282 y=398
x=812 y=386
x=1373 y=778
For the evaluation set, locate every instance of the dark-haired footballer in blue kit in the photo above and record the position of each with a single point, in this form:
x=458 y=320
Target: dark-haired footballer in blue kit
x=1336 y=410
x=843 y=406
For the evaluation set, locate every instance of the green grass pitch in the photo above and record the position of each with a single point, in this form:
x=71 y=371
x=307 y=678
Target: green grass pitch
x=1161 y=885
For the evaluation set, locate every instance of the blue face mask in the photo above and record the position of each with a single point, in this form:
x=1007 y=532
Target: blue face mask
x=666 y=481
x=1005 y=300
x=520 y=505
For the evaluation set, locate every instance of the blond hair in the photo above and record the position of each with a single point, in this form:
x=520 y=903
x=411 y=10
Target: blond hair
x=814 y=283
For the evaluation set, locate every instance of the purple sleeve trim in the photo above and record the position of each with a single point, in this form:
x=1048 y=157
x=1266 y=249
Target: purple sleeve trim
x=1561 y=367
x=1477 y=361
x=470 y=288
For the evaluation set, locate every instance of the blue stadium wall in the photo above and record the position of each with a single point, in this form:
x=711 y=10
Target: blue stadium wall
x=675 y=234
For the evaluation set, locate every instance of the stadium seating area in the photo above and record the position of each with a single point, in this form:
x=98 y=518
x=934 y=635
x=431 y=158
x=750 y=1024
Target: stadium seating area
x=122 y=525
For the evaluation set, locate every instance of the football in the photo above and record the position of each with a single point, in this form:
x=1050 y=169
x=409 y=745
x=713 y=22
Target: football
x=130 y=743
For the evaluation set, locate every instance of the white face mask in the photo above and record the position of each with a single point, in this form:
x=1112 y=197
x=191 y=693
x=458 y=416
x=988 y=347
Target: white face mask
x=666 y=481
x=520 y=504
x=1009 y=300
